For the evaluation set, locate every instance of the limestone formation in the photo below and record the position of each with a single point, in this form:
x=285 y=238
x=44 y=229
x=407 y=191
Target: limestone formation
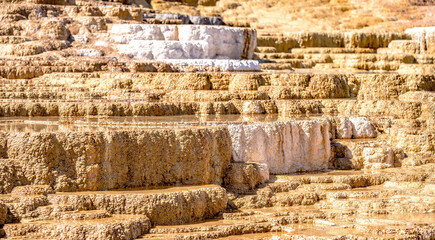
x=31 y=190
x=144 y=41
x=242 y=177
x=112 y=160
x=284 y=147
x=3 y=213
x=172 y=207
x=123 y=227
x=425 y=37
x=186 y=19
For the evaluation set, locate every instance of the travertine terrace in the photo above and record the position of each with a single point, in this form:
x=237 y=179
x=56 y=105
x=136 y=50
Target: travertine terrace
x=140 y=119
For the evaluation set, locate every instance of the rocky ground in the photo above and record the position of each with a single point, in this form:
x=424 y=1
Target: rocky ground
x=133 y=120
x=280 y=16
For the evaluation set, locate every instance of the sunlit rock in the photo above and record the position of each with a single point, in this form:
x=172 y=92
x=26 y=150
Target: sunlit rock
x=284 y=146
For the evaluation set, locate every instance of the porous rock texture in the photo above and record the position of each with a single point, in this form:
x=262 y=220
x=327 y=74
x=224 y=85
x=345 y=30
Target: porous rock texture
x=242 y=177
x=3 y=213
x=177 y=207
x=78 y=161
x=123 y=227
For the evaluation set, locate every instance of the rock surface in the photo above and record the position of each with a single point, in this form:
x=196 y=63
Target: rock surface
x=3 y=213
x=123 y=227
x=116 y=159
x=425 y=37
x=242 y=177
x=355 y=127
x=186 y=19
x=174 y=206
x=284 y=147
x=184 y=41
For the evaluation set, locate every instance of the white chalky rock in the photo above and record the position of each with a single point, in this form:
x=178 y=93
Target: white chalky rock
x=338 y=195
x=355 y=127
x=284 y=146
x=234 y=43
x=390 y=184
x=124 y=33
x=324 y=222
x=284 y=229
x=425 y=36
x=222 y=42
x=102 y=43
x=123 y=29
x=80 y=38
x=160 y=50
x=362 y=128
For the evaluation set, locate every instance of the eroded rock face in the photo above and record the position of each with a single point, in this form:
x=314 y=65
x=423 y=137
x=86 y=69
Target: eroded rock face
x=382 y=157
x=33 y=47
x=161 y=208
x=224 y=65
x=54 y=30
x=11 y=175
x=329 y=40
x=98 y=161
x=359 y=154
x=117 y=227
x=242 y=177
x=3 y=213
x=186 y=19
x=425 y=37
x=285 y=147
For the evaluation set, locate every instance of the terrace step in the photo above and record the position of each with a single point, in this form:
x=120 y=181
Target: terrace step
x=261 y=49
x=364 y=210
x=164 y=205
x=69 y=216
x=416 y=68
x=285 y=43
x=363 y=192
x=279 y=66
x=287 y=106
x=207 y=230
x=115 y=227
x=279 y=56
x=331 y=50
x=404 y=46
